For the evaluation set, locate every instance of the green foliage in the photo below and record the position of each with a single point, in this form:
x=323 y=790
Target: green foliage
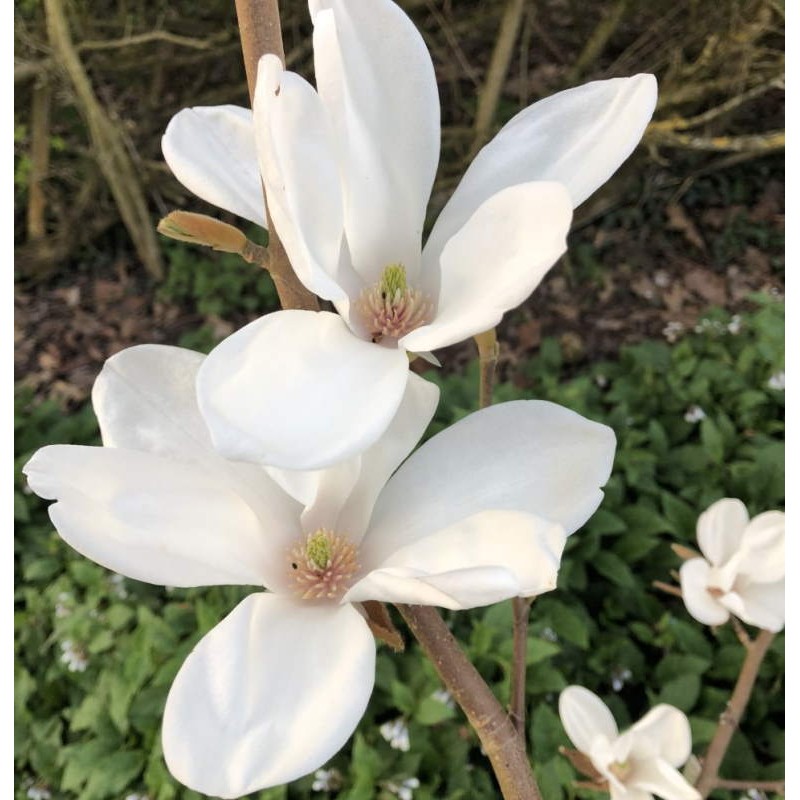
x=94 y=734
x=218 y=284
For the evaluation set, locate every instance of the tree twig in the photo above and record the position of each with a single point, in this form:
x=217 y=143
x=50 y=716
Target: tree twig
x=489 y=95
x=40 y=158
x=730 y=717
x=499 y=738
x=488 y=351
x=597 y=41
x=521 y=607
x=767 y=786
x=668 y=588
x=260 y=32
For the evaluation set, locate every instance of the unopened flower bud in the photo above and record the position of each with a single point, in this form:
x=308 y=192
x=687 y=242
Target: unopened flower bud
x=186 y=226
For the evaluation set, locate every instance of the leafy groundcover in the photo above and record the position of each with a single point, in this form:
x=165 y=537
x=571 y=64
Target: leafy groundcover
x=96 y=653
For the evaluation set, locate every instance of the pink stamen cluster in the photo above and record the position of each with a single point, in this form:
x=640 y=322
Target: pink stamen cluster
x=393 y=315
x=316 y=581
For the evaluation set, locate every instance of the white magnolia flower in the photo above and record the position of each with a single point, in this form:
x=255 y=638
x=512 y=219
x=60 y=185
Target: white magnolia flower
x=396 y=733
x=479 y=513
x=639 y=763
x=743 y=572
x=348 y=170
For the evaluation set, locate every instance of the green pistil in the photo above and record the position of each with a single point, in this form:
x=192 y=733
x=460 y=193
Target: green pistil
x=393 y=281
x=318 y=550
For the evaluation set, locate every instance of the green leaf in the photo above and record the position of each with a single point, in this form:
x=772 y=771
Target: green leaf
x=432 y=711
x=681 y=692
x=611 y=566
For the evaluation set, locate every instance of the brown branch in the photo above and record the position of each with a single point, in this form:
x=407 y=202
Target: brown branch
x=40 y=158
x=112 y=157
x=730 y=717
x=260 y=32
x=521 y=607
x=597 y=41
x=768 y=786
x=755 y=143
x=489 y=95
x=488 y=351
x=668 y=588
x=500 y=741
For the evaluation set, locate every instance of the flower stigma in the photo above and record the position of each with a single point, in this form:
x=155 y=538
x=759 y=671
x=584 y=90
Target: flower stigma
x=620 y=769
x=323 y=565
x=391 y=308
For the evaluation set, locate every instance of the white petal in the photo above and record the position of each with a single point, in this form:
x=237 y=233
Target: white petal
x=694 y=588
x=296 y=389
x=663 y=780
x=720 y=529
x=585 y=717
x=267 y=696
x=527 y=455
x=301 y=178
x=764 y=545
x=212 y=152
x=341 y=497
x=145 y=399
x=382 y=459
x=152 y=518
x=377 y=82
x=620 y=792
x=578 y=137
x=483 y=559
x=495 y=261
x=761 y=604
x=665 y=733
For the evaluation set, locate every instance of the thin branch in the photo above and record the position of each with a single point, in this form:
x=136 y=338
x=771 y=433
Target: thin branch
x=260 y=32
x=730 y=717
x=500 y=741
x=40 y=158
x=668 y=588
x=489 y=95
x=521 y=607
x=488 y=351
x=597 y=41
x=768 y=786
x=756 y=143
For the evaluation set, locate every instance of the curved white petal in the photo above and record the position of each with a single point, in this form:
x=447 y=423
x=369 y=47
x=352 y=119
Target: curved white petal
x=663 y=732
x=268 y=695
x=145 y=399
x=152 y=518
x=495 y=261
x=662 y=779
x=760 y=604
x=764 y=546
x=211 y=150
x=468 y=560
x=301 y=179
x=527 y=455
x=578 y=137
x=382 y=459
x=620 y=792
x=296 y=389
x=694 y=588
x=720 y=529
x=376 y=79
x=585 y=717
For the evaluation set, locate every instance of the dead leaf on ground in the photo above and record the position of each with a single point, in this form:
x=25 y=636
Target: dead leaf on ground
x=679 y=220
x=706 y=284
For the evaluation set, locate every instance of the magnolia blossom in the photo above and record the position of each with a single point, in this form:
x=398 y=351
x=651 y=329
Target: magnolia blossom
x=348 y=170
x=639 y=763
x=478 y=514
x=743 y=572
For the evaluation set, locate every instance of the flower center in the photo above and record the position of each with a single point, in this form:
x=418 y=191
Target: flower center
x=620 y=769
x=323 y=565
x=391 y=308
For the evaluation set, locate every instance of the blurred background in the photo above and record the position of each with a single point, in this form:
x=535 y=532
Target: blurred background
x=664 y=319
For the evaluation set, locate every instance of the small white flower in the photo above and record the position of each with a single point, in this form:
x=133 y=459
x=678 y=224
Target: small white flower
x=38 y=792
x=444 y=697
x=694 y=414
x=672 y=331
x=642 y=761
x=735 y=325
x=136 y=796
x=73 y=656
x=404 y=790
x=549 y=635
x=117 y=582
x=396 y=733
x=64 y=603
x=601 y=380
x=743 y=572
x=619 y=678
x=777 y=381
x=327 y=780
